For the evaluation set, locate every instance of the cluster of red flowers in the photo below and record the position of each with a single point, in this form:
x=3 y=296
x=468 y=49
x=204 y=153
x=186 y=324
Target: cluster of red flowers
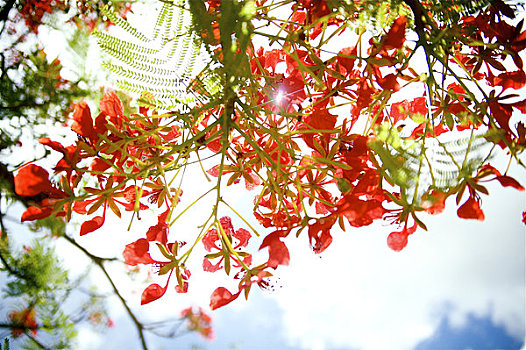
x=311 y=167
x=33 y=11
x=198 y=322
x=23 y=321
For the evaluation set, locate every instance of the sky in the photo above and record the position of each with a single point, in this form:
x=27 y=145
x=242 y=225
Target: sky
x=459 y=285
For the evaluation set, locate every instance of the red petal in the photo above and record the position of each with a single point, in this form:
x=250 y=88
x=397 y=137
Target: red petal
x=278 y=254
x=397 y=240
x=320 y=119
x=32 y=180
x=213 y=171
x=209 y=239
x=243 y=236
x=158 y=233
x=82 y=121
x=319 y=232
x=220 y=297
x=508 y=181
x=470 y=210
x=34 y=213
x=396 y=36
x=209 y=267
x=151 y=293
x=226 y=224
x=80 y=207
x=100 y=124
x=256 y=181
x=502 y=114
x=137 y=253
x=91 y=225
x=182 y=290
x=521 y=106
x=321 y=208
x=347 y=62
x=435 y=202
x=514 y=80
x=57 y=146
x=277 y=250
x=389 y=82
x=99 y=165
x=111 y=105
x=215 y=145
x=399 y=110
x=418 y=106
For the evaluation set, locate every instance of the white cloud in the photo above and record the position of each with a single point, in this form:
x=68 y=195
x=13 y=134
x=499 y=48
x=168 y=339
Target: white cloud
x=88 y=338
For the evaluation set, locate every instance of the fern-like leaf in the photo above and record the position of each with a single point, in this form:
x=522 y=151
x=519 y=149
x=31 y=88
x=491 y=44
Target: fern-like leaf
x=450 y=11
x=417 y=166
x=165 y=64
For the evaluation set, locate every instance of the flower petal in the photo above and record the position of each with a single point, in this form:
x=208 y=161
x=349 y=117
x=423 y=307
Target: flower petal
x=32 y=180
x=91 y=225
x=220 y=297
x=137 y=253
x=34 y=213
x=151 y=293
x=470 y=210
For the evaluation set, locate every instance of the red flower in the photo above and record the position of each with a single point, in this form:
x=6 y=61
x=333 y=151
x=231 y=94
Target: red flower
x=24 y=319
x=212 y=236
x=198 y=321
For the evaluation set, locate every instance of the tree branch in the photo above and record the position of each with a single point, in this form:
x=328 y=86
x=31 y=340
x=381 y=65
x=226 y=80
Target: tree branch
x=418 y=12
x=99 y=261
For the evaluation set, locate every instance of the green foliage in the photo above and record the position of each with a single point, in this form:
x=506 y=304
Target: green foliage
x=163 y=64
x=37 y=281
x=380 y=15
x=39 y=271
x=450 y=11
x=442 y=165
x=31 y=92
x=51 y=224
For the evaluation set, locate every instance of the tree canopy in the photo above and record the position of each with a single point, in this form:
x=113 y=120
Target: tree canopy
x=332 y=114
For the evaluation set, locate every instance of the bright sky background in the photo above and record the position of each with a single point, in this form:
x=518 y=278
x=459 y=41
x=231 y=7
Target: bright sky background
x=358 y=294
